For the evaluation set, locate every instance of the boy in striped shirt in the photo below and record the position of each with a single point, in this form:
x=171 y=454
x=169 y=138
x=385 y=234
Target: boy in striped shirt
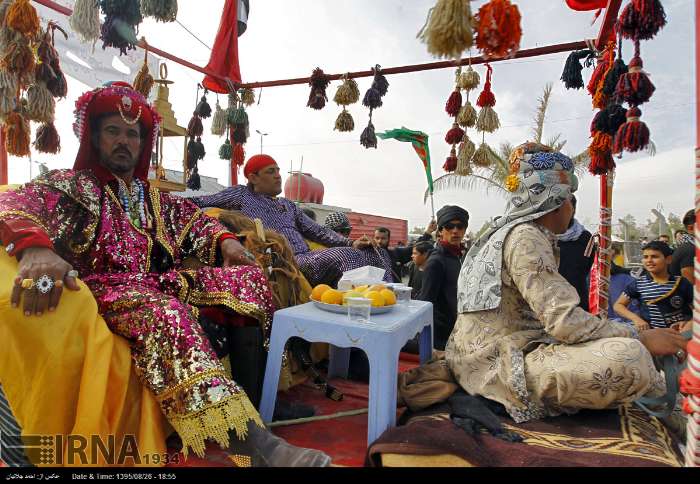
x=665 y=300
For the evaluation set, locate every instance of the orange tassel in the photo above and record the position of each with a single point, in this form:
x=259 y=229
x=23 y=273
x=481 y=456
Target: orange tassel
x=22 y=17
x=17 y=133
x=19 y=59
x=498 y=29
x=600 y=151
x=600 y=99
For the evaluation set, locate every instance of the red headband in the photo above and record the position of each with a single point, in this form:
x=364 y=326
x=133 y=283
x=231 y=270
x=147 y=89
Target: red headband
x=256 y=163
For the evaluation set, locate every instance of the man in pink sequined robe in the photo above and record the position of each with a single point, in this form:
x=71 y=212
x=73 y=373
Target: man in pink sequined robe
x=127 y=241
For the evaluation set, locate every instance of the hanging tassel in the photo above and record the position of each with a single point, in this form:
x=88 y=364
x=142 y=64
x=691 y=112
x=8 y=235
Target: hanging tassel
x=469 y=79
x=481 y=156
x=487 y=98
x=195 y=127
x=619 y=68
x=487 y=120
x=247 y=96
x=161 y=10
x=454 y=135
x=143 y=82
x=238 y=116
x=22 y=17
x=240 y=134
x=368 y=139
x=226 y=150
x=633 y=135
x=17 y=135
x=8 y=80
x=372 y=99
x=40 y=104
x=600 y=99
x=85 y=20
x=451 y=161
x=8 y=101
x=238 y=157
x=344 y=123
x=347 y=93
x=498 y=29
x=448 y=28
x=238 y=154
x=467 y=116
x=635 y=87
x=47 y=139
x=609 y=120
x=58 y=87
x=571 y=76
x=454 y=103
x=641 y=19
x=465 y=154
x=219 y=121
x=195 y=152
x=318 y=82
x=19 y=59
x=194 y=182
x=380 y=83
x=599 y=72
x=203 y=110
x=121 y=19
x=600 y=152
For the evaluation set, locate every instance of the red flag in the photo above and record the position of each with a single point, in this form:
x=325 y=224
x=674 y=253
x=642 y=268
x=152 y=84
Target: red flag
x=583 y=5
x=224 y=56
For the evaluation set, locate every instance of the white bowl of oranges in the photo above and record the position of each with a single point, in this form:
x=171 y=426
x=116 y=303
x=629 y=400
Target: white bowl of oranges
x=329 y=299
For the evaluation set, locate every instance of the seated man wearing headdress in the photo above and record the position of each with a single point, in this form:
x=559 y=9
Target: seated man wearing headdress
x=127 y=241
x=259 y=199
x=521 y=338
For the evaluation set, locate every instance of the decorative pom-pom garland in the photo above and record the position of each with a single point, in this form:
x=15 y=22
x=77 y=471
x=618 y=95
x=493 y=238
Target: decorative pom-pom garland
x=451 y=161
x=469 y=79
x=464 y=156
x=633 y=135
x=641 y=19
x=482 y=156
x=454 y=103
x=347 y=93
x=454 y=135
x=467 y=116
x=318 y=82
x=634 y=87
x=600 y=153
x=609 y=120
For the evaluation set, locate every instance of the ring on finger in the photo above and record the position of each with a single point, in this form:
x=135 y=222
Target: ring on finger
x=27 y=283
x=44 y=284
x=72 y=273
x=680 y=354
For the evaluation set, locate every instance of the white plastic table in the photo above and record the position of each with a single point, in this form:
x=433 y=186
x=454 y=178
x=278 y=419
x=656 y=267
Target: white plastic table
x=381 y=338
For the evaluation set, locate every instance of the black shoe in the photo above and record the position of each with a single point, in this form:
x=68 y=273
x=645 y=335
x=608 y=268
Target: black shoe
x=285 y=410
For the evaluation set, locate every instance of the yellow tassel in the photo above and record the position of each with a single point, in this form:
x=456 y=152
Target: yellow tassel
x=17 y=135
x=488 y=120
x=448 y=30
x=467 y=116
x=347 y=93
x=482 y=156
x=85 y=20
x=344 y=123
x=466 y=151
x=469 y=79
x=143 y=82
x=219 y=121
x=40 y=103
x=248 y=96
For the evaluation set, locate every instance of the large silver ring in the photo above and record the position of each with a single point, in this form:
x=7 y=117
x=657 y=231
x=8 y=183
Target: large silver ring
x=680 y=354
x=72 y=273
x=44 y=284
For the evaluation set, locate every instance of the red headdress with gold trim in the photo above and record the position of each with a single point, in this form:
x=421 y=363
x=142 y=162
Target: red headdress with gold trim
x=118 y=98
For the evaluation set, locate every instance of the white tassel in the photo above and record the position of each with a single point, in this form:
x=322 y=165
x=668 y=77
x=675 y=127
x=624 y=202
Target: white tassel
x=85 y=20
x=40 y=104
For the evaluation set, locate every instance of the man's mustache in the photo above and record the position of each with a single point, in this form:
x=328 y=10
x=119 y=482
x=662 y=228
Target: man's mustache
x=121 y=150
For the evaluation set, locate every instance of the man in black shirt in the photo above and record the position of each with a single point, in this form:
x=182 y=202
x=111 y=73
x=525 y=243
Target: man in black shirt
x=400 y=255
x=574 y=265
x=442 y=271
x=684 y=256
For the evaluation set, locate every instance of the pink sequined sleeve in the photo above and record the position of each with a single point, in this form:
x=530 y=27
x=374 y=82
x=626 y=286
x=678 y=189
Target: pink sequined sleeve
x=28 y=207
x=197 y=234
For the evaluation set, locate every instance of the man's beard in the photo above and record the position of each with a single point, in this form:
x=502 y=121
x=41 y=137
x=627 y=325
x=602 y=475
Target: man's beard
x=119 y=166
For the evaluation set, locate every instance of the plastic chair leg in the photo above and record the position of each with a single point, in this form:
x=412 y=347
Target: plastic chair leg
x=382 y=393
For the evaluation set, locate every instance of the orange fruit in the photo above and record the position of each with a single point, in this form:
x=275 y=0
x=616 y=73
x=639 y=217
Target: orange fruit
x=318 y=291
x=376 y=297
x=389 y=297
x=332 y=296
x=377 y=287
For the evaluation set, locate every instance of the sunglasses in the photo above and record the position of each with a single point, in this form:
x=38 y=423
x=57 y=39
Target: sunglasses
x=450 y=226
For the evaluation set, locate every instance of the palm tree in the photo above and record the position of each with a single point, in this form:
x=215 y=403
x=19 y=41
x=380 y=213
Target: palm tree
x=494 y=176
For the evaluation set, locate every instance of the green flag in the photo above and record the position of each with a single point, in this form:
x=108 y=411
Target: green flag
x=419 y=140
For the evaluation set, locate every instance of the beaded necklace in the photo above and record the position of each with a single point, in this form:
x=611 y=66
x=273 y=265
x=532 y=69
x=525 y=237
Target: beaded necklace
x=133 y=201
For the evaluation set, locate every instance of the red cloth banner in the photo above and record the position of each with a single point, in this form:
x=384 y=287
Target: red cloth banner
x=584 y=5
x=224 y=55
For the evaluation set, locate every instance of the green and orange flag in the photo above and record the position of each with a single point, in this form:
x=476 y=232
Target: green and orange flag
x=419 y=140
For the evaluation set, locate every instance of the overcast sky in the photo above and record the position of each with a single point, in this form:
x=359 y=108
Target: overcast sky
x=288 y=39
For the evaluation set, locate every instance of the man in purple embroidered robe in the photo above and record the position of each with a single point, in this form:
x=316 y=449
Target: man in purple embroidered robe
x=259 y=200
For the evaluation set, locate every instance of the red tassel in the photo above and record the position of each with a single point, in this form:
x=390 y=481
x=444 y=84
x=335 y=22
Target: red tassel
x=498 y=29
x=454 y=135
x=633 y=135
x=194 y=127
x=47 y=139
x=635 y=87
x=451 y=162
x=486 y=98
x=601 y=154
x=641 y=19
x=454 y=103
x=238 y=154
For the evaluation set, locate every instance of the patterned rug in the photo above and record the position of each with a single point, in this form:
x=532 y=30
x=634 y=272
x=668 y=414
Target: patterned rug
x=621 y=438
